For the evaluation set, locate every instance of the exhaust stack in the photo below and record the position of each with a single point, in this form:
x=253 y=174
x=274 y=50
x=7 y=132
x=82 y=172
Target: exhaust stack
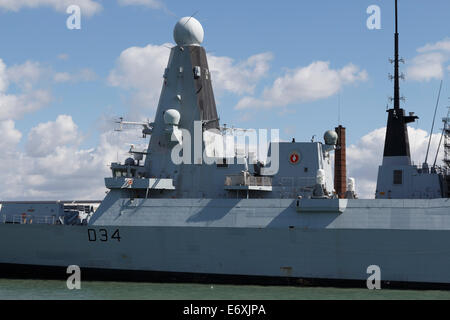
x=340 y=165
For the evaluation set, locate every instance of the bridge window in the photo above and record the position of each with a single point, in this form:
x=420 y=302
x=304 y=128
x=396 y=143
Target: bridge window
x=398 y=176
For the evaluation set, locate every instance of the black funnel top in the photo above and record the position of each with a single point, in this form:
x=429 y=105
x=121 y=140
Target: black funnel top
x=396 y=142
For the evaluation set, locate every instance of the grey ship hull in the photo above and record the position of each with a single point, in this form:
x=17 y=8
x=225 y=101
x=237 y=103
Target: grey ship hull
x=260 y=240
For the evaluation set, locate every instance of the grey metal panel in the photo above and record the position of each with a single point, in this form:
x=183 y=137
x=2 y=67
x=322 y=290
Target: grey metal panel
x=205 y=94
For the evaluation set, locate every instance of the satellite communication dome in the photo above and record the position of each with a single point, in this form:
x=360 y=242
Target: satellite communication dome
x=172 y=117
x=320 y=176
x=351 y=184
x=129 y=162
x=188 y=32
x=330 y=137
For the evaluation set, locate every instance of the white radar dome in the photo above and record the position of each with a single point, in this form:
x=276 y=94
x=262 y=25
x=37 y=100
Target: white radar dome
x=188 y=32
x=320 y=176
x=351 y=184
x=172 y=117
x=330 y=137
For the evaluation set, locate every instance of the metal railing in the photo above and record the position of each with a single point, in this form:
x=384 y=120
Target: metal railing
x=27 y=219
x=247 y=180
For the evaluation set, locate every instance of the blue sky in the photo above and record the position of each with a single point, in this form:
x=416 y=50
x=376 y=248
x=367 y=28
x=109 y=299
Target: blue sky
x=292 y=35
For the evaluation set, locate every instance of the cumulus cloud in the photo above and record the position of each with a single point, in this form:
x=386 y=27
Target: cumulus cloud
x=45 y=137
x=10 y=135
x=313 y=82
x=15 y=106
x=443 y=45
x=139 y=70
x=430 y=63
x=88 y=7
x=26 y=74
x=26 y=81
x=238 y=77
x=53 y=166
x=27 y=98
x=364 y=157
x=4 y=82
x=426 y=67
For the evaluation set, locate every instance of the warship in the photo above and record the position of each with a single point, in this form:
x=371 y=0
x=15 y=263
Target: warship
x=191 y=208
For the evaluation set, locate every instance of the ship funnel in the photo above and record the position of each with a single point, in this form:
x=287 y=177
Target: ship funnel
x=340 y=164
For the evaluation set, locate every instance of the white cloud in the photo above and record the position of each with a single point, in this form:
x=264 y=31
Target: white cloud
x=443 y=45
x=26 y=74
x=4 y=82
x=15 y=106
x=313 y=82
x=140 y=70
x=54 y=166
x=426 y=67
x=147 y=3
x=364 y=157
x=10 y=136
x=430 y=63
x=45 y=137
x=26 y=99
x=88 y=7
x=62 y=77
x=84 y=75
x=28 y=78
x=240 y=77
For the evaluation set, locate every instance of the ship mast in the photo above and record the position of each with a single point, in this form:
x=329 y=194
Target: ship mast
x=396 y=144
x=396 y=65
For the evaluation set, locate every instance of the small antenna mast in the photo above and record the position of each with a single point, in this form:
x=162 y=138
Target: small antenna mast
x=191 y=16
x=442 y=134
x=396 y=65
x=432 y=126
x=339 y=108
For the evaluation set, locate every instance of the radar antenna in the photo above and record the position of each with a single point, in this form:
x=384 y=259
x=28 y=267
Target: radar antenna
x=191 y=17
x=432 y=126
x=146 y=130
x=396 y=65
x=445 y=133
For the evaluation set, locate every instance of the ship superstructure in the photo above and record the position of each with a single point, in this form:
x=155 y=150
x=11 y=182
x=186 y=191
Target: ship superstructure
x=398 y=178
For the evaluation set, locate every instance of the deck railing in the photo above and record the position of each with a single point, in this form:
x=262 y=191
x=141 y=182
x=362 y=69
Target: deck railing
x=247 y=180
x=27 y=219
